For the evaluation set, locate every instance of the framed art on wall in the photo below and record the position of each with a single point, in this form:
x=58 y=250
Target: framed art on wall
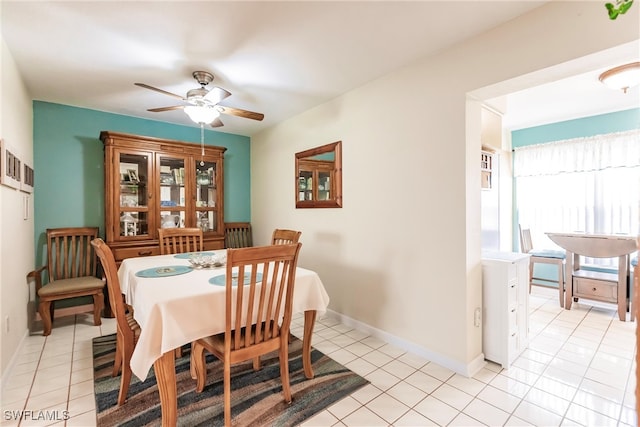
x=28 y=176
x=11 y=166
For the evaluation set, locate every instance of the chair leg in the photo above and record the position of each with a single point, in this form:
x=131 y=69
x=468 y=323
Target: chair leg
x=125 y=379
x=227 y=392
x=192 y=364
x=199 y=365
x=256 y=363
x=530 y=275
x=117 y=363
x=284 y=370
x=561 y=284
x=97 y=308
x=45 y=309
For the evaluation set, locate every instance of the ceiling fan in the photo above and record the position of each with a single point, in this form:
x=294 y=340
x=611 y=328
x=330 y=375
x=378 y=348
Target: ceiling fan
x=202 y=105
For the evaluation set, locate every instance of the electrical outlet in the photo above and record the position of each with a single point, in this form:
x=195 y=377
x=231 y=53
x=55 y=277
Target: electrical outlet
x=477 y=317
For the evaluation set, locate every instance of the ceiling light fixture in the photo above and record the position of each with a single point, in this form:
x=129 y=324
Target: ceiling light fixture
x=202 y=115
x=622 y=77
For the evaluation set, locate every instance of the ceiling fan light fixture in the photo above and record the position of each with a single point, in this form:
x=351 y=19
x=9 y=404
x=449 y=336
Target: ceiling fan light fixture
x=622 y=77
x=201 y=114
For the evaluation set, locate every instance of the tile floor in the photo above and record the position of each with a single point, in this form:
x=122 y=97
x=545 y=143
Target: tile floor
x=579 y=369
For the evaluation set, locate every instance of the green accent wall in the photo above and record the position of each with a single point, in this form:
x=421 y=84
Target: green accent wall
x=68 y=159
x=619 y=121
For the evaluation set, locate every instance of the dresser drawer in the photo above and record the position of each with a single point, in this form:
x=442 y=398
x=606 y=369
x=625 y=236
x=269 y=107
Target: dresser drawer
x=123 y=253
x=595 y=289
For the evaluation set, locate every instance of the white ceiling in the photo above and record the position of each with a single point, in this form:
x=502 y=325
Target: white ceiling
x=276 y=58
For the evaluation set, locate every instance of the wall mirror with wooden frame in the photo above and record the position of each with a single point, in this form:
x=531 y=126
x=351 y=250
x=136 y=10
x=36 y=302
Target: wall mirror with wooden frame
x=319 y=177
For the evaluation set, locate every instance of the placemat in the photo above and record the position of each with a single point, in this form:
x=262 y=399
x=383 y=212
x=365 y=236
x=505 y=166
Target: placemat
x=222 y=279
x=165 y=271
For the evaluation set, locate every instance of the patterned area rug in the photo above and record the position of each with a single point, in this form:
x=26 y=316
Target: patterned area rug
x=256 y=397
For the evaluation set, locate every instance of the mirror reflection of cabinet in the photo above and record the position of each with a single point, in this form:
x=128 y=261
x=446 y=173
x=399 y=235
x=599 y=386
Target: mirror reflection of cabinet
x=319 y=177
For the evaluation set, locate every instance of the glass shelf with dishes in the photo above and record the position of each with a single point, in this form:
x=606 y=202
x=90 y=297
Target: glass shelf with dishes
x=133 y=223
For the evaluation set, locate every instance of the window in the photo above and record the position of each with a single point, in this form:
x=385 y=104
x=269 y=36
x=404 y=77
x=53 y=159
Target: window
x=585 y=184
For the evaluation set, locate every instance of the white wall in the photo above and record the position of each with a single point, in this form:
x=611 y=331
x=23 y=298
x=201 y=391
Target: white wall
x=403 y=254
x=16 y=234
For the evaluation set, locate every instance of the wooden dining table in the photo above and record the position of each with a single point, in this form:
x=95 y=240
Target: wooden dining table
x=593 y=284
x=176 y=305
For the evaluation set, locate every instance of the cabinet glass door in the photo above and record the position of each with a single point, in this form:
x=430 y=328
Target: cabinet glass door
x=305 y=185
x=172 y=191
x=206 y=196
x=133 y=170
x=324 y=185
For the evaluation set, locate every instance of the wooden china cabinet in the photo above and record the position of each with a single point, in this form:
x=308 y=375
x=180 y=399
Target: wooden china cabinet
x=153 y=183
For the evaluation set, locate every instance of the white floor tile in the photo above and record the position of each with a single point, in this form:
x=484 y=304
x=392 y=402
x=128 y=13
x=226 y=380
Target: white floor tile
x=535 y=415
x=452 y=396
x=388 y=408
x=578 y=370
x=406 y=393
x=500 y=399
x=436 y=410
x=587 y=417
x=364 y=417
x=413 y=419
x=486 y=413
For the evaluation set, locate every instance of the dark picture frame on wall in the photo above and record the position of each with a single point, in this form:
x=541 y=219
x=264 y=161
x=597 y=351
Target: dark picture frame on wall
x=28 y=179
x=11 y=166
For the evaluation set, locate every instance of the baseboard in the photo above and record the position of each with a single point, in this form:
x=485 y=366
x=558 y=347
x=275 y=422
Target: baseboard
x=467 y=370
x=12 y=363
x=68 y=311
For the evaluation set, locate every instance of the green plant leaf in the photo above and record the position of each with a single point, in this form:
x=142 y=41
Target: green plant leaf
x=625 y=6
x=613 y=11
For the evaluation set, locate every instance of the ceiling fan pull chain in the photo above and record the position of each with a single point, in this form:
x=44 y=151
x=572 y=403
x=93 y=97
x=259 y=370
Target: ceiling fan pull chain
x=202 y=142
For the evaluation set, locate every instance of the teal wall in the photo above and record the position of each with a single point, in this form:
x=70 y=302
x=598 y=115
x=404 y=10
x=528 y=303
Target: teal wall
x=579 y=128
x=589 y=126
x=68 y=159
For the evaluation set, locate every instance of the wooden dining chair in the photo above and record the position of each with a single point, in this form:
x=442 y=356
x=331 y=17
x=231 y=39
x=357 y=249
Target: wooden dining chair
x=237 y=235
x=72 y=269
x=259 y=288
x=543 y=256
x=180 y=240
x=127 y=329
x=285 y=237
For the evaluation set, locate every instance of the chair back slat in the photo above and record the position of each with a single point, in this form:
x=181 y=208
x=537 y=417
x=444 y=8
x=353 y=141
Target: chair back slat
x=70 y=254
x=525 y=240
x=259 y=293
x=285 y=237
x=238 y=235
x=180 y=240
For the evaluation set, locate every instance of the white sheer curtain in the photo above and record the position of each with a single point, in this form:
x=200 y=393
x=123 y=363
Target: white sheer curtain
x=585 y=184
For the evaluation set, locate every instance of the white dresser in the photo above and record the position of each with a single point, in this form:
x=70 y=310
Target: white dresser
x=505 y=300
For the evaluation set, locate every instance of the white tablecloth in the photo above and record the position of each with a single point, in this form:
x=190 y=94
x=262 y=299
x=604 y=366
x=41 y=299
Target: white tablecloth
x=176 y=310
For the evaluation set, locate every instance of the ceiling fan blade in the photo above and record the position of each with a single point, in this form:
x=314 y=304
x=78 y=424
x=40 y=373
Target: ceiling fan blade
x=216 y=123
x=158 y=90
x=217 y=94
x=160 y=109
x=240 y=113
